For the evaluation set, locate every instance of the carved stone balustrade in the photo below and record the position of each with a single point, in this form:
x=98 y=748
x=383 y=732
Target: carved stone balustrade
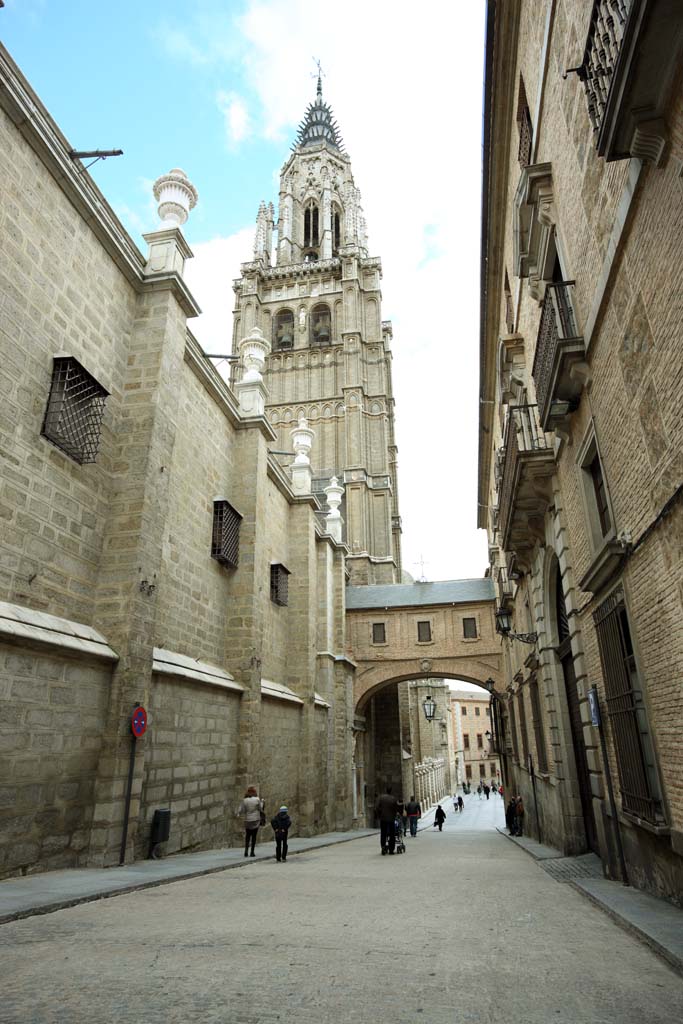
x=559 y=370
x=528 y=465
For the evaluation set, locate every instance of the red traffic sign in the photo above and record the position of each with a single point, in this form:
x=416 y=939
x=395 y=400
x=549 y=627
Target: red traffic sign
x=138 y=723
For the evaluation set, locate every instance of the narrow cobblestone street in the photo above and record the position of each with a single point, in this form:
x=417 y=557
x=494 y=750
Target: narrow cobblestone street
x=344 y=934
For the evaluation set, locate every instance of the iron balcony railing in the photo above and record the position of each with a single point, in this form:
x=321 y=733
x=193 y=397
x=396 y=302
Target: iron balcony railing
x=558 y=335
x=605 y=36
x=523 y=438
x=504 y=584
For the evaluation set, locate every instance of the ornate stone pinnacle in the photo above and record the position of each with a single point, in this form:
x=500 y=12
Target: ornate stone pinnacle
x=176 y=196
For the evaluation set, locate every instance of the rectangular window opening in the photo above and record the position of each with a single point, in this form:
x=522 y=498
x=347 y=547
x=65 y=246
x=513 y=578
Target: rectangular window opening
x=279 y=584
x=424 y=632
x=469 y=629
x=75 y=407
x=225 y=539
x=379 y=633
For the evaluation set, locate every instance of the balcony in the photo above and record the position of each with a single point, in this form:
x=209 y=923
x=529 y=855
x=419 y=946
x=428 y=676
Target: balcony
x=504 y=587
x=528 y=464
x=629 y=64
x=559 y=370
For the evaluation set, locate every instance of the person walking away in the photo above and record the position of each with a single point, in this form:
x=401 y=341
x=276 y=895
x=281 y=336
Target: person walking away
x=414 y=812
x=510 y=816
x=386 y=807
x=439 y=817
x=487 y=792
x=455 y=803
x=461 y=804
x=281 y=825
x=402 y=815
x=519 y=817
x=479 y=790
x=251 y=810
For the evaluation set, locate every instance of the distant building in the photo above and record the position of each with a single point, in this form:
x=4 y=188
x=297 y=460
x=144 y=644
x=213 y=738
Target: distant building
x=581 y=433
x=473 y=738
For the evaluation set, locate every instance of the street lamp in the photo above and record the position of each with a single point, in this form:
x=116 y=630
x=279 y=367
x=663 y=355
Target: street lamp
x=429 y=706
x=504 y=627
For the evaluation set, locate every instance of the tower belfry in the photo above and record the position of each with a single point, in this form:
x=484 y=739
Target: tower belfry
x=314 y=292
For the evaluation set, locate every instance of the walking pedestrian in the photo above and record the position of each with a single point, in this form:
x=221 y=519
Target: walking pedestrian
x=455 y=803
x=414 y=812
x=487 y=792
x=461 y=804
x=479 y=790
x=439 y=817
x=251 y=810
x=281 y=825
x=386 y=807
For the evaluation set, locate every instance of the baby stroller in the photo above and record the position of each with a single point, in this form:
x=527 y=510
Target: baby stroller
x=398 y=833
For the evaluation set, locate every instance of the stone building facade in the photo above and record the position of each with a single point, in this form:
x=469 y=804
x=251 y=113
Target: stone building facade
x=313 y=291
x=581 y=440
x=153 y=551
x=474 y=738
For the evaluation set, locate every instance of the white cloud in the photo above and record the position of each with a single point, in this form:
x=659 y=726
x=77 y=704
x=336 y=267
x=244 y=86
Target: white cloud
x=406 y=92
x=209 y=277
x=236 y=116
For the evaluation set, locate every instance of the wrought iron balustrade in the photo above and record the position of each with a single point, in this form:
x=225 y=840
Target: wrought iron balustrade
x=605 y=36
x=527 y=456
x=558 y=345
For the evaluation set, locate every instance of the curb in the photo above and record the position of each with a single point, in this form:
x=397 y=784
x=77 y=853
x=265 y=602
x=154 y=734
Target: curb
x=154 y=883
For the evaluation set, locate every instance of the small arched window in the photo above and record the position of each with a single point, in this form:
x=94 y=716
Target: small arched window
x=335 y=227
x=311 y=225
x=283 y=329
x=321 y=325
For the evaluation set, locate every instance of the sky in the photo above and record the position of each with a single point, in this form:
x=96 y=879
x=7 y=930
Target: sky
x=217 y=87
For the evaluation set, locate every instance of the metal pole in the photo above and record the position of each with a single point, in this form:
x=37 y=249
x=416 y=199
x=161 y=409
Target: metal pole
x=613 y=806
x=533 y=786
x=129 y=792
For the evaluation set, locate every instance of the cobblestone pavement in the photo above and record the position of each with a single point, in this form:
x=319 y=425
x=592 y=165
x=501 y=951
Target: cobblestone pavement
x=465 y=927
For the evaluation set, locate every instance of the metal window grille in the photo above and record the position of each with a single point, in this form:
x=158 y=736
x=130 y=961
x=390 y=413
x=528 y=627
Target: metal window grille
x=539 y=734
x=379 y=634
x=279 y=584
x=624 y=706
x=466 y=741
x=75 y=407
x=424 y=631
x=225 y=539
x=468 y=771
x=469 y=629
x=525 y=137
x=480 y=741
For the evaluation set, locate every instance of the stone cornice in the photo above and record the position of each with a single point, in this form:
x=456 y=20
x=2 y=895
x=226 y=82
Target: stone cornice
x=31 y=118
x=211 y=379
x=175 y=283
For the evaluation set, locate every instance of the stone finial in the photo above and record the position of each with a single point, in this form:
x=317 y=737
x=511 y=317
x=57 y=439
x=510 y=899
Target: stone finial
x=302 y=441
x=176 y=196
x=253 y=350
x=334 y=493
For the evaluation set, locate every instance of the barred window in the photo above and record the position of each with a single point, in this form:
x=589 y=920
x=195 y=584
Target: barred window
x=539 y=732
x=466 y=741
x=626 y=711
x=379 y=633
x=279 y=584
x=424 y=632
x=468 y=771
x=469 y=629
x=493 y=770
x=75 y=407
x=225 y=539
x=482 y=771
x=480 y=741
x=477 y=712
x=463 y=710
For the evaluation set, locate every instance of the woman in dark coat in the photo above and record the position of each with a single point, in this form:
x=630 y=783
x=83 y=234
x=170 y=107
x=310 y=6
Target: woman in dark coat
x=439 y=817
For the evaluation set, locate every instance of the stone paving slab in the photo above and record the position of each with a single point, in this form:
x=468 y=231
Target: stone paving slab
x=48 y=891
x=655 y=922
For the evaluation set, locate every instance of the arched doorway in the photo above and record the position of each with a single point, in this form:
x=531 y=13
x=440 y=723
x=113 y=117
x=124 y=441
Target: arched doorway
x=565 y=658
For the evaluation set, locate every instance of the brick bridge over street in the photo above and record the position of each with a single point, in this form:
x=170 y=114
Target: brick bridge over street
x=401 y=636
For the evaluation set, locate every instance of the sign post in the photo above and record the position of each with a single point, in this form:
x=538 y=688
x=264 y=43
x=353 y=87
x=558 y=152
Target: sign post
x=138 y=728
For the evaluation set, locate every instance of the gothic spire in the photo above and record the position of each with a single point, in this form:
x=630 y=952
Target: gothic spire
x=319 y=124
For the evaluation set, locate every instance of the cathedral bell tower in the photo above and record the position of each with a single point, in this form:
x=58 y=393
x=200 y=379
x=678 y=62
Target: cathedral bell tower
x=315 y=294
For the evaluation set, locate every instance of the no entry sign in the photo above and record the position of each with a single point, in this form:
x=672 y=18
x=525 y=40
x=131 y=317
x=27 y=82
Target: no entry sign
x=138 y=723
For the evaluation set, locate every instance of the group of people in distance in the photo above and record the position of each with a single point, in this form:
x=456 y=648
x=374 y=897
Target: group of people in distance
x=252 y=810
